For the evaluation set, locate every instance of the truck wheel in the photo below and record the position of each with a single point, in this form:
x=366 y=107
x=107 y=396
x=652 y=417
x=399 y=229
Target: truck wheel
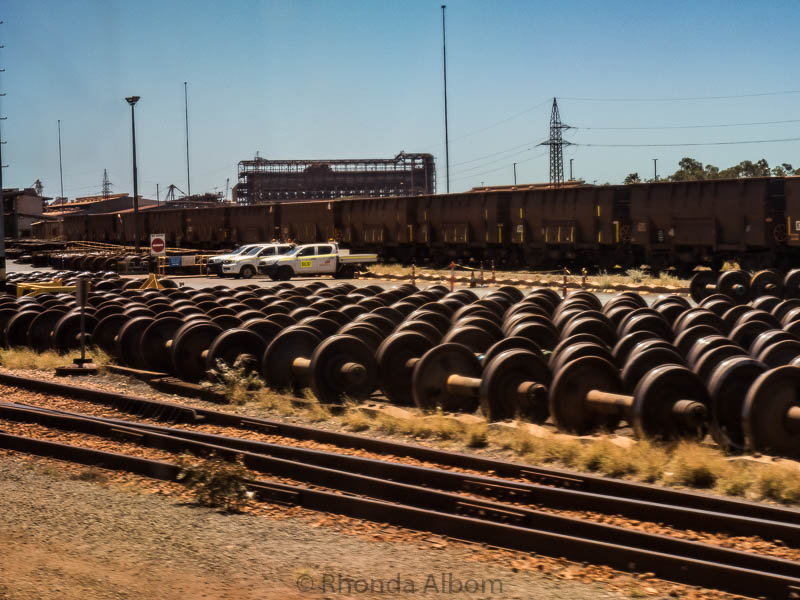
x=347 y=272
x=285 y=273
x=247 y=272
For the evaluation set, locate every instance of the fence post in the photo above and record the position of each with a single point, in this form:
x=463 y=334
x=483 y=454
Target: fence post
x=452 y=275
x=564 y=289
x=413 y=272
x=493 y=275
x=481 y=273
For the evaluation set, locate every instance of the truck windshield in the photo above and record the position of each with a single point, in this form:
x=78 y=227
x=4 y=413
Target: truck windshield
x=292 y=252
x=252 y=251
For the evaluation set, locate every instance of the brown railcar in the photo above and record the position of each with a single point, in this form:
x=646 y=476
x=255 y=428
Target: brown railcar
x=583 y=224
x=170 y=222
x=696 y=222
x=103 y=228
x=382 y=225
x=308 y=222
x=252 y=224
x=207 y=227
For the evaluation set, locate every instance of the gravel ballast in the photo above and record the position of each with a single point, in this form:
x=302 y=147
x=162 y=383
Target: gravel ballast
x=69 y=539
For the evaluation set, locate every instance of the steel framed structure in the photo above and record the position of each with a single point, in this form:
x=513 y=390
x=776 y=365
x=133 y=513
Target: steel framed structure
x=263 y=180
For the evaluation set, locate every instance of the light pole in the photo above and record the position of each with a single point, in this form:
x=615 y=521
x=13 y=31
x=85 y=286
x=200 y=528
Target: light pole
x=655 y=169
x=132 y=100
x=2 y=205
x=186 y=107
x=570 y=168
x=515 y=173
x=444 y=71
x=60 y=169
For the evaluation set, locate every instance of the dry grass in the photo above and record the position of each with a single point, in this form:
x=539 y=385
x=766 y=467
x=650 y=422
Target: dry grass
x=27 y=359
x=696 y=466
x=669 y=278
x=355 y=420
x=435 y=427
x=273 y=401
x=736 y=480
x=607 y=458
x=648 y=461
x=91 y=474
x=316 y=413
x=636 y=275
x=730 y=266
x=476 y=436
x=779 y=483
x=602 y=280
x=684 y=464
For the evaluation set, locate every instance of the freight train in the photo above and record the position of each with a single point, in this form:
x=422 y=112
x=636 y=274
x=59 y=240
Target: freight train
x=753 y=221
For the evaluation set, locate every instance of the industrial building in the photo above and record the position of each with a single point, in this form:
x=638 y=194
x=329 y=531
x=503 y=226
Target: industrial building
x=90 y=205
x=262 y=180
x=21 y=209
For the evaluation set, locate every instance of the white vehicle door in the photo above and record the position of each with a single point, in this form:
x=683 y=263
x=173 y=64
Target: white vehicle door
x=325 y=260
x=304 y=260
x=268 y=251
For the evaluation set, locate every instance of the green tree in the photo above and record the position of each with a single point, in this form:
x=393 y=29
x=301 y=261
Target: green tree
x=749 y=168
x=688 y=169
x=632 y=178
x=784 y=169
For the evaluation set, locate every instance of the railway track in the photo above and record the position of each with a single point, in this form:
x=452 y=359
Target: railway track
x=489 y=501
x=510 y=354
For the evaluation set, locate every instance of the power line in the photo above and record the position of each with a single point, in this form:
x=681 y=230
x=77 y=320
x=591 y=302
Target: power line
x=492 y=125
x=691 y=126
x=497 y=160
x=504 y=167
x=472 y=160
x=795 y=139
x=681 y=99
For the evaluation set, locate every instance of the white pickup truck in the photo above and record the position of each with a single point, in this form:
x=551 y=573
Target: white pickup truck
x=315 y=259
x=246 y=264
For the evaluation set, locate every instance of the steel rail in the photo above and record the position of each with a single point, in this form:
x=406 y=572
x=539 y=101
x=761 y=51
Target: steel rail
x=558 y=478
x=522 y=493
x=421 y=497
x=686 y=569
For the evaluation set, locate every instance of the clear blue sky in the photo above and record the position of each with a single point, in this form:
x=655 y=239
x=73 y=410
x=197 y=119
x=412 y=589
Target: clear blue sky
x=347 y=79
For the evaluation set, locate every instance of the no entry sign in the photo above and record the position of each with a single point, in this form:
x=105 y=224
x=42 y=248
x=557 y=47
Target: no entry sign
x=158 y=244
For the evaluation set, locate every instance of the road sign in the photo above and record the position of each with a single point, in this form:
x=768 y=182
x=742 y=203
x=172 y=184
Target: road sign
x=158 y=244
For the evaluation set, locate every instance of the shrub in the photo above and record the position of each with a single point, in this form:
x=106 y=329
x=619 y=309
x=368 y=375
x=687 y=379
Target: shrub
x=237 y=381
x=215 y=482
x=636 y=275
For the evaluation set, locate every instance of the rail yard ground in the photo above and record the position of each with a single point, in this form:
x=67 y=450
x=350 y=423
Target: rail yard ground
x=90 y=533
x=388 y=275
x=72 y=531
x=83 y=534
